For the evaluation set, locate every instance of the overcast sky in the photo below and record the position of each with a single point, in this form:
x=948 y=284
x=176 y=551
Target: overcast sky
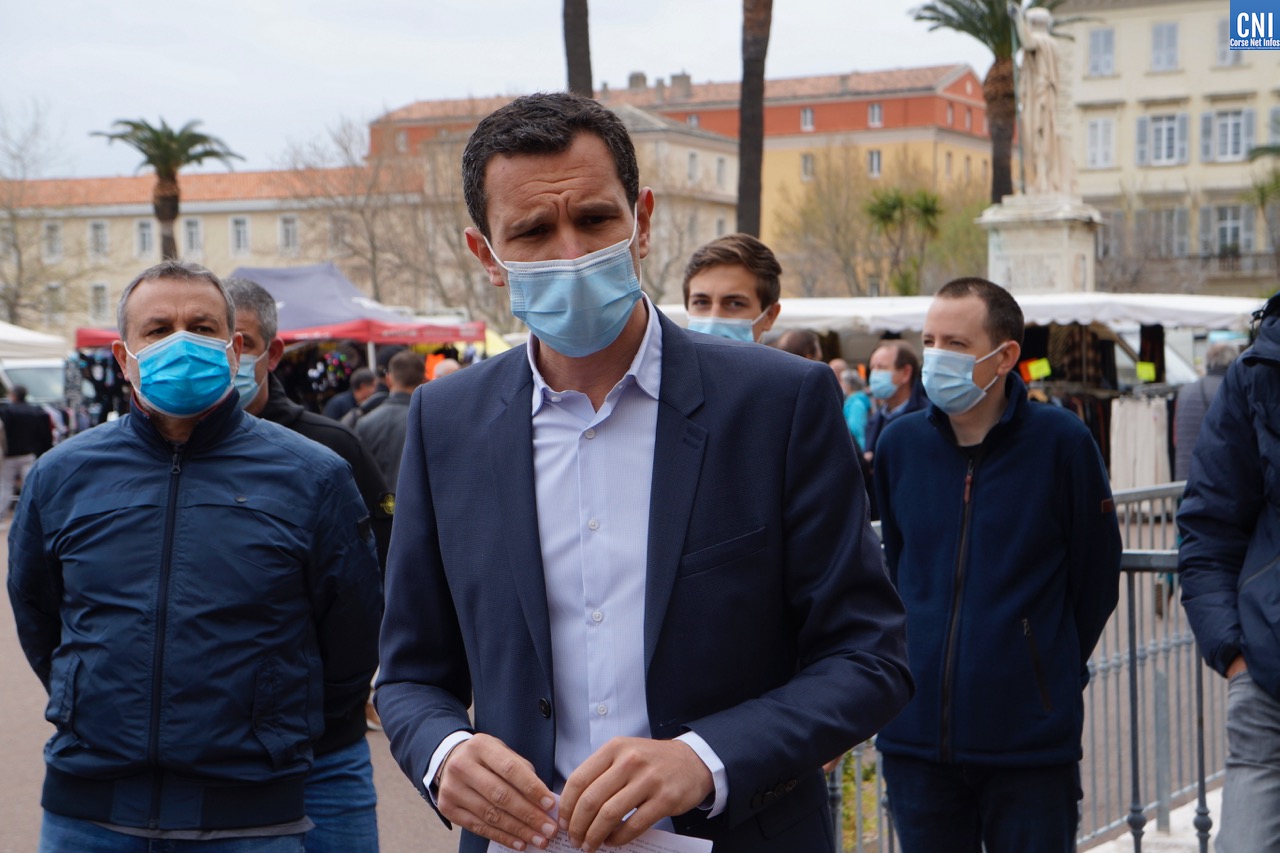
x=262 y=74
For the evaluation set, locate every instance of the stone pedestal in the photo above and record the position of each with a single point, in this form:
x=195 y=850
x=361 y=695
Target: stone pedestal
x=1041 y=243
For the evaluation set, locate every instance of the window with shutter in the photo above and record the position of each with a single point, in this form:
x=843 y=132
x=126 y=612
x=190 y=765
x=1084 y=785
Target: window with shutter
x=1101 y=52
x=1164 y=47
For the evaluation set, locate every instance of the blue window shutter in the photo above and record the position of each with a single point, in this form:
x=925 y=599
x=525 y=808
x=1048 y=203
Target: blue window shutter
x=1184 y=137
x=1206 y=232
x=1246 y=230
x=1206 y=138
x=1247 y=121
x=1275 y=125
x=1144 y=124
x=1182 y=235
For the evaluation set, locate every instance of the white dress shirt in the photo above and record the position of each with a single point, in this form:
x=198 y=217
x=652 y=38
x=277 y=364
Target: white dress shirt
x=592 y=473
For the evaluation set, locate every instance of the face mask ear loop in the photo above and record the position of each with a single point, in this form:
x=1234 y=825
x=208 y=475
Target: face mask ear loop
x=496 y=259
x=987 y=387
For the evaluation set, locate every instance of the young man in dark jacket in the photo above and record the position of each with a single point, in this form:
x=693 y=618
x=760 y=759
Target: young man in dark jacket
x=198 y=591
x=1001 y=536
x=1230 y=528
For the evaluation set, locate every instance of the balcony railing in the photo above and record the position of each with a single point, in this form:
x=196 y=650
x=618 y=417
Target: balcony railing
x=1154 y=728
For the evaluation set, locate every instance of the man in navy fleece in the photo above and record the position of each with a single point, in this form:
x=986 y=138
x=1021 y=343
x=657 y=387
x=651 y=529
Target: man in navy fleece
x=1001 y=536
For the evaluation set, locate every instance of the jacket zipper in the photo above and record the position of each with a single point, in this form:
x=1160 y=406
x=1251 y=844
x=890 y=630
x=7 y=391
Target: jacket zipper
x=1036 y=666
x=162 y=619
x=949 y=656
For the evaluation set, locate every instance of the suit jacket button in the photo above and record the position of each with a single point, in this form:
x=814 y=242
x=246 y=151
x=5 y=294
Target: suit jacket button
x=790 y=786
x=544 y=708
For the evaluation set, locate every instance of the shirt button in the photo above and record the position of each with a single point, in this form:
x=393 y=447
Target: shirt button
x=555 y=399
x=602 y=709
x=590 y=433
x=597 y=616
x=593 y=524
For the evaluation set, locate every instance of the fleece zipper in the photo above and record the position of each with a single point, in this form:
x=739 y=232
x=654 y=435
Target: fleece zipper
x=953 y=627
x=162 y=620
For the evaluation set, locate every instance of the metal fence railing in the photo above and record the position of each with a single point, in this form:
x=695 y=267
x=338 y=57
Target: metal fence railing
x=1154 y=728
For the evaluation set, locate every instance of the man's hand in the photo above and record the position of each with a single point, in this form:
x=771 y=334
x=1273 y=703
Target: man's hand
x=1237 y=666
x=656 y=778
x=490 y=790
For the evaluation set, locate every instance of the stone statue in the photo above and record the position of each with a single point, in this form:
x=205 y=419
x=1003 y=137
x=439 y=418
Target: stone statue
x=1045 y=153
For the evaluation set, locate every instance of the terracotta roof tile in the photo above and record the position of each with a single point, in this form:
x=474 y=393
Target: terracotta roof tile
x=214 y=186
x=855 y=84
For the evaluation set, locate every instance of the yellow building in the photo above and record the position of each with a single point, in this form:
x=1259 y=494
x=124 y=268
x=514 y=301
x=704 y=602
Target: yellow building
x=1164 y=117
x=69 y=246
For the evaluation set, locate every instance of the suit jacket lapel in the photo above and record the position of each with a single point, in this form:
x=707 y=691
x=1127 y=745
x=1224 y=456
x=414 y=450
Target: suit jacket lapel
x=510 y=443
x=677 y=463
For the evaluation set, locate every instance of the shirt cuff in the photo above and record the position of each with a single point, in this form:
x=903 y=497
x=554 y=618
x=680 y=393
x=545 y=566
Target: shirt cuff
x=719 y=776
x=437 y=758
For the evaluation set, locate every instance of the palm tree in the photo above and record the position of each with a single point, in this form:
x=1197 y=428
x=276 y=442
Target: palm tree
x=900 y=216
x=167 y=151
x=988 y=22
x=577 y=48
x=925 y=209
x=757 y=17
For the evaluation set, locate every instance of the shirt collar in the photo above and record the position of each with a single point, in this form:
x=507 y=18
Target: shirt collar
x=645 y=370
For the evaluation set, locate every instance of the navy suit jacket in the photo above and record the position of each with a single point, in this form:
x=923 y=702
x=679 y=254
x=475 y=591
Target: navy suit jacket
x=770 y=626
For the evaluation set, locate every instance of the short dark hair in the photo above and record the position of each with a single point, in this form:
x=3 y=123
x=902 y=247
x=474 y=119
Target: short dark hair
x=904 y=356
x=407 y=369
x=802 y=342
x=1004 y=315
x=543 y=123
x=361 y=377
x=739 y=250
x=249 y=295
x=176 y=271
x=19 y=393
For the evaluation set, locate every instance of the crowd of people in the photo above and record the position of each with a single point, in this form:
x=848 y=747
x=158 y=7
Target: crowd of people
x=623 y=578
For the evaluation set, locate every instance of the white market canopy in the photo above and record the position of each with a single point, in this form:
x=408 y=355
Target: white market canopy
x=17 y=342
x=906 y=313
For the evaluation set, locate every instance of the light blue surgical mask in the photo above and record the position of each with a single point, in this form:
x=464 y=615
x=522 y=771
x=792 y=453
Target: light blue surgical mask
x=948 y=379
x=733 y=328
x=184 y=374
x=881 y=384
x=246 y=379
x=576 y=306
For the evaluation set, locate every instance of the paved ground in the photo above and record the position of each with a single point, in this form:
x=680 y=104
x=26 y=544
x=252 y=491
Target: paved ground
x=406 y=824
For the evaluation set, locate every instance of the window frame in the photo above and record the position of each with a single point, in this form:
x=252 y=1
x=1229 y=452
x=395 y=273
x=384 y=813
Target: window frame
x=1164 y=56
x=1101 y=60
x=51 y=251
x=288 y=237
x=141 y=226
x=233 y=237
x=192 y=225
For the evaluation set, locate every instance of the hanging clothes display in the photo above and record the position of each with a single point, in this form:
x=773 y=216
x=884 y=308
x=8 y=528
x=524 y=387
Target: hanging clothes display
x=1140 y=442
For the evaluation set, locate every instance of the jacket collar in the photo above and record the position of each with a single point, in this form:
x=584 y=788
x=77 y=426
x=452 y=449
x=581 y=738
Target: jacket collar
x=211 y=427
x=279 y=408
x=1016 y=392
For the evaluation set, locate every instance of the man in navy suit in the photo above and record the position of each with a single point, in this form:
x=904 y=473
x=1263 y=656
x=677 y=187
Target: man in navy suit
x=641 y=554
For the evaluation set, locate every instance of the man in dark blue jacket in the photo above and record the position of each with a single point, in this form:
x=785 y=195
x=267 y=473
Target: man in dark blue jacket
x=1001 y=536
x=1230 y=528
x=198 y=591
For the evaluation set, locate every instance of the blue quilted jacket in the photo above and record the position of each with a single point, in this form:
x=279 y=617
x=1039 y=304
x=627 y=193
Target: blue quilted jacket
x=195 y=613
